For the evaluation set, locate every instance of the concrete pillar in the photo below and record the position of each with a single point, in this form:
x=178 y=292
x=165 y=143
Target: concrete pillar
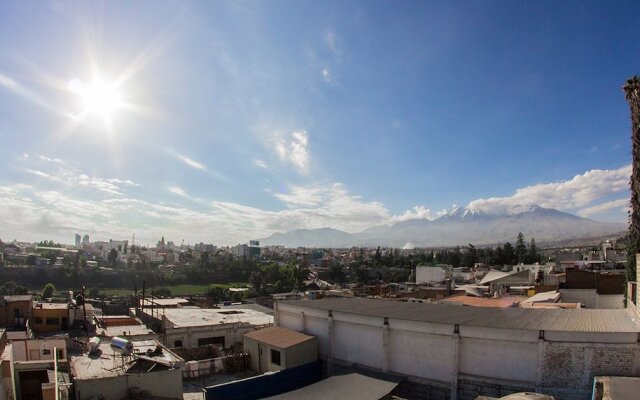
x=385 y=345
x=275 y=313
x=542 y=345
x=304 y=322
x=332 y=340
x=331 y=335
x=456 y=362
x=637 y=281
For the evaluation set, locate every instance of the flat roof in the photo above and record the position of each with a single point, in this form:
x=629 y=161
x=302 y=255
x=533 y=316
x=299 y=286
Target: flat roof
x=18 y=297
x=52 y=306
x=124 y=330
x=278 y=337
x=164 y=302
x=106 y=363
x=571 y=320
x=352 y=386
x=501 y=302
x=186 y=317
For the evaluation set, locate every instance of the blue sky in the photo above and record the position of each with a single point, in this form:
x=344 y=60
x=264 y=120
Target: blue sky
x=228 y=121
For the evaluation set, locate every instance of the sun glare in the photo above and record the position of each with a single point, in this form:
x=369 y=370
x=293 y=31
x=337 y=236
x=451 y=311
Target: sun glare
x=97 y=98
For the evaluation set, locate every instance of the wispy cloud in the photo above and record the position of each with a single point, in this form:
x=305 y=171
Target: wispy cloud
x=195 y=164
x=294 y=149
x=259 y=163
x=177 y=190
x=188 y=161
x=622 y=204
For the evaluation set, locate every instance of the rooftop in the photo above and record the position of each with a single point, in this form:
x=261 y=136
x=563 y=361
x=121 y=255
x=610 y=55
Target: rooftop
x=18 y=297
x=106 y=363
x=278 y=337
x=571 y=320
x=501 y=302
x=52 y=306
x=174 y=302
x=124 y=330
x=186 y=317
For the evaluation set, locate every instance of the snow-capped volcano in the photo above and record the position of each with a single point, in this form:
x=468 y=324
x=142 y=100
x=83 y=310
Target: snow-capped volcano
x=477 y=224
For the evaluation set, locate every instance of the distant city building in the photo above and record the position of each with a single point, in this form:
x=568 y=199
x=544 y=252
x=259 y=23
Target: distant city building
x=78 y=240
x=85 y=239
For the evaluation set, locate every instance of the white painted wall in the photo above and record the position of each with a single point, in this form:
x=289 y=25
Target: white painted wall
x=429 y=274
x=590 y=299
x=435 y=352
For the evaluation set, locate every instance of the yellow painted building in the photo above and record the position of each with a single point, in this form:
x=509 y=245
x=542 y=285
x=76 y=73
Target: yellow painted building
x=50 y=317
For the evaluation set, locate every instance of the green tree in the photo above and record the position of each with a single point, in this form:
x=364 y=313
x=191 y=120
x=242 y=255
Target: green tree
x=532 y=252
x=48 y=290
x=521 y=248
x=256 y=279
x=508 y=254
x=163 y=292
x=112 y=257
x=632 y=94
x=94 y=292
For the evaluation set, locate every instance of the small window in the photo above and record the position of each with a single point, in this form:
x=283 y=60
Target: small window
x=60 y=354
x=275 y=357
x=177 y=344
x=46 y=352
x=53 y=321
x=37 y=320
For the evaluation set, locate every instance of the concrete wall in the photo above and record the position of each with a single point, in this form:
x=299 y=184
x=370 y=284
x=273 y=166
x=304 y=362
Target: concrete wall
x=290 y=357
x=33 y=349
x=165 y=384
x=189 y=336
x=472 y=361
x=591 y=299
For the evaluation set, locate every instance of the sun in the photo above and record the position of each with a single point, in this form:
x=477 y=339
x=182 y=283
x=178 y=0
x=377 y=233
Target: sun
x=97 y=98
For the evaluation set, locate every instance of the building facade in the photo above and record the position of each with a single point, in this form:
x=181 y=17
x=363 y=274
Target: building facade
x=462 y=352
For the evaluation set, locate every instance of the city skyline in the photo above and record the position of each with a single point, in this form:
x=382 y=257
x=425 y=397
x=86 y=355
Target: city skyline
x=230 y=121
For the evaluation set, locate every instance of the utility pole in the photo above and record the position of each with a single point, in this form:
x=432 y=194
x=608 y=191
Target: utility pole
x=84 y=313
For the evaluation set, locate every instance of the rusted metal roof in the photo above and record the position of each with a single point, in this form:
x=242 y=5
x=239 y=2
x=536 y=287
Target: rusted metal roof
x=278 y=337
x=571 y=320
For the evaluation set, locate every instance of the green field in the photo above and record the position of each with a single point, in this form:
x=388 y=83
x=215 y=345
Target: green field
x=176 y=290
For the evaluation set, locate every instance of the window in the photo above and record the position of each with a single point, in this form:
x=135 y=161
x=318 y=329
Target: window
x=177 y=344
x=60 y=354
x=37 y=320
x=52 y=321
x=275 y=357
x=46 y=352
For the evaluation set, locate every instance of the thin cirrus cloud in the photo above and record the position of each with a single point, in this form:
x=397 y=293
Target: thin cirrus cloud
x=195 y=164
x=259 y=163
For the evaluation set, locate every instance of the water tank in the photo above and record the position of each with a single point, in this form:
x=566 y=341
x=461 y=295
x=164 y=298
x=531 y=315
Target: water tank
x=93 y=344
x=123 y=346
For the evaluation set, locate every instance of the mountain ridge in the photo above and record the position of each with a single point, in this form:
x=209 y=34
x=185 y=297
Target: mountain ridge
x=461 y=225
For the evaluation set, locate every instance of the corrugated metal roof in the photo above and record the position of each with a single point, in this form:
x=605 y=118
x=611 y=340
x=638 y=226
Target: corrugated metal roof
x=352 y=386
x=566 y=320
x=278 y=337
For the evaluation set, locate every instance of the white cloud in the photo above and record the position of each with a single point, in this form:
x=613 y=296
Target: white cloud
x=326 y=74
x=190 y=162
x=418 y=212
x=177 y=190
x=622 y=204
x=330 y=40
x=294 y=149
x=580 y=191
x=45 y=175
x=259 y=163
x=195 y=164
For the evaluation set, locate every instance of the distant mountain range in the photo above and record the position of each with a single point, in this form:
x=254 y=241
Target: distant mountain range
x=459 y=227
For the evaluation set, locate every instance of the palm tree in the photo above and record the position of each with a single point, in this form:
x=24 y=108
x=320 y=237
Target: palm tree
x=632 y=94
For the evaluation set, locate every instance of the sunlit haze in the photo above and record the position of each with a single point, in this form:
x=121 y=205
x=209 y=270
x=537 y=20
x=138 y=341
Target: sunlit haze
x=227 y=121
